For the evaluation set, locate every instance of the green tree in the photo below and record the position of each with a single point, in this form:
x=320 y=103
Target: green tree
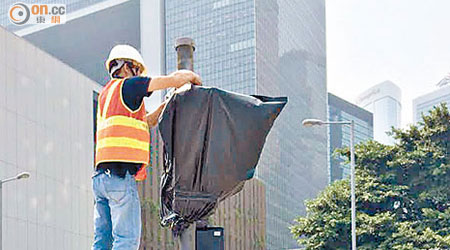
x=402 y=194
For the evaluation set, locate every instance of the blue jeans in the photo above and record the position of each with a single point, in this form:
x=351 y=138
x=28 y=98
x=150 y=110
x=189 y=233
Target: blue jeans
x=117 y=213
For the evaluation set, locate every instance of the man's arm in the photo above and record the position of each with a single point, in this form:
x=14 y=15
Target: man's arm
x=174 y=80
x=136 y=88
x=152 y=118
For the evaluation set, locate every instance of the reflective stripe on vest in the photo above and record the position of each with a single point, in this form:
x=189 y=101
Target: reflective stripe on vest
x=122 y=134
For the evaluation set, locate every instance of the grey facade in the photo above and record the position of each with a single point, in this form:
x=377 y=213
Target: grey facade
x=42 y=102
x=103 y=29
x=339 y=136
x=274 y=48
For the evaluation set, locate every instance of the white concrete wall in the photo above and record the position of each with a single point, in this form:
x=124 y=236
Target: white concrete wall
x=46 y=128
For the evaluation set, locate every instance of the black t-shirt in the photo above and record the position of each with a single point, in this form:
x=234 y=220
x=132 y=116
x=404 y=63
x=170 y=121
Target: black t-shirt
x=120 y=168
x=134 y=90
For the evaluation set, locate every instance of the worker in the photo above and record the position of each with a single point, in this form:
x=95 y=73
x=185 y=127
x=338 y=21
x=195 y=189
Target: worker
x=122 y=145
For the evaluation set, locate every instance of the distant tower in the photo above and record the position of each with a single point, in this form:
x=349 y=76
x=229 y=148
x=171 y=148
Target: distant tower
x=384 y=101
x=339 y=136
x=445 y=81
x=424 y=103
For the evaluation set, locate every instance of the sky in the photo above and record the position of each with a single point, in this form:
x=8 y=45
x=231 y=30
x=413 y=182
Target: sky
x=404 y=41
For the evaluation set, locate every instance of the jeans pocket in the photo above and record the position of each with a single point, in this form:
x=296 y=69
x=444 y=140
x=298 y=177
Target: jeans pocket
x=116 y=188
x=117 y=196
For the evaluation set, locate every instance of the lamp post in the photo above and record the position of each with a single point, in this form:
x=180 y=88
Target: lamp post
x=316 y=122
x=185 y=48
x=22 y=175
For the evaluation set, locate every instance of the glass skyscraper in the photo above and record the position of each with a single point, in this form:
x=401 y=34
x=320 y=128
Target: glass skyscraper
x=224 y=32
x=339 y=136
x=275 y=48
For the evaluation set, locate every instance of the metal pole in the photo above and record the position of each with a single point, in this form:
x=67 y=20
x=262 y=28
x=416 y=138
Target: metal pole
x=187 y=238
x=352 y=166
x=185 y=48
x=316 y=122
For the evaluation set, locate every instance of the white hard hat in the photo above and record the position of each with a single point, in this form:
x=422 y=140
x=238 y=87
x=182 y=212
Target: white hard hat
x=126 y=52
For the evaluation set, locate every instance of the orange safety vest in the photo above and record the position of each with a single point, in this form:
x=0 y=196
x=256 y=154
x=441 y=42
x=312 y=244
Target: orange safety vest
x=122 y=134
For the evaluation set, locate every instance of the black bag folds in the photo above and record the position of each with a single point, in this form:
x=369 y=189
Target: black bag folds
x=212 y=143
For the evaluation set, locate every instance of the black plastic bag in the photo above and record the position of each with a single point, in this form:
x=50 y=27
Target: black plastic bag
x=212 y=140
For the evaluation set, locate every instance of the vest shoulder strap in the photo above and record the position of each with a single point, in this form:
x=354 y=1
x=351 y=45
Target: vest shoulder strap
x=108 y=97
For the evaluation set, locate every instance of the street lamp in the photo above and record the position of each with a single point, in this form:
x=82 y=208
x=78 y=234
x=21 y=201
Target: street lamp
x=316 y=122
x=22 y=175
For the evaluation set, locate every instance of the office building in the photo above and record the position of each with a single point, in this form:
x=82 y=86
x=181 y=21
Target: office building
x=339 y=135
x=424 y=103
x=384 y=101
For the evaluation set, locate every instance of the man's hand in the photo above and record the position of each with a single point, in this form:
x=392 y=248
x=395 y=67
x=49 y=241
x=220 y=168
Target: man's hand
x=183 y=76
x=174 y=80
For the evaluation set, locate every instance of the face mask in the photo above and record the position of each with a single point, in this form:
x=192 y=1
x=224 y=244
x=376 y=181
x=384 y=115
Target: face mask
x=115 y=66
